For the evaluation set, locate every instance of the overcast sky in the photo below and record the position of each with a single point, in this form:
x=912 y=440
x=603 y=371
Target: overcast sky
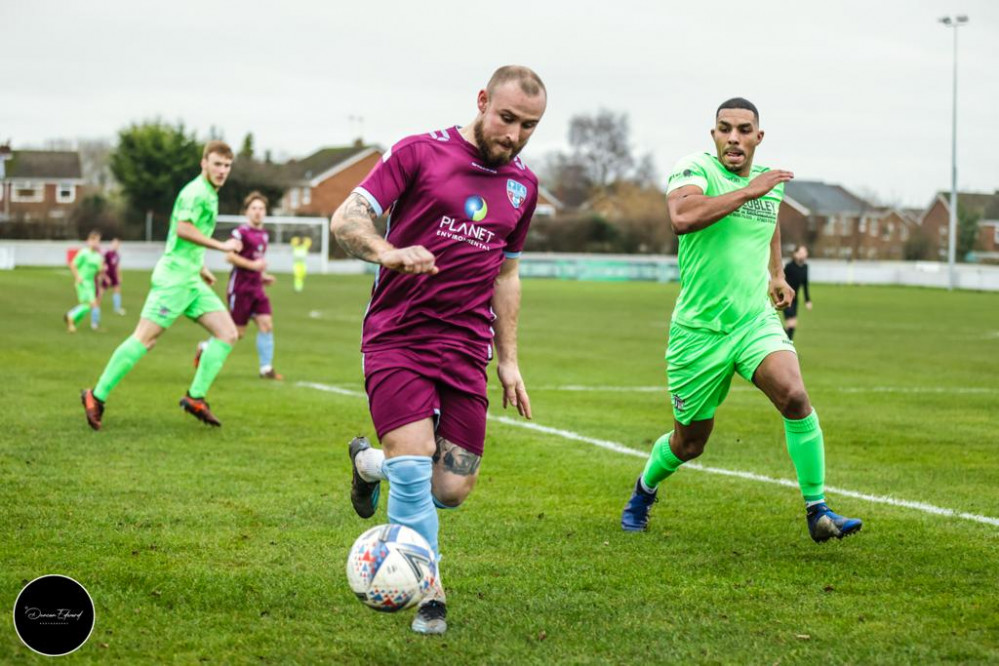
x=850 y=92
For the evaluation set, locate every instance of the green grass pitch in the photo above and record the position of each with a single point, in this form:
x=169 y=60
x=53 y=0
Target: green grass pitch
x=228 y=546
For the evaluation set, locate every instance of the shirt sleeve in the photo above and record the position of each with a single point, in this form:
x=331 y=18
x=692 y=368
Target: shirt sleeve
x=804 y=283
x=188 y=206
x=688 y=171
x=78 y=259
x=390 y=177
x=515 y=241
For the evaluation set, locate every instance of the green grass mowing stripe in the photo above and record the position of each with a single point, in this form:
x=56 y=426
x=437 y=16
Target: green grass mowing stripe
x=750 y=476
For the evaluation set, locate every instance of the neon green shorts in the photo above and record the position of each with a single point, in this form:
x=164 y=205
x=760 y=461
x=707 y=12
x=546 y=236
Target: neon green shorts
x=86 y=292
x=700 y=363
x=168 y=299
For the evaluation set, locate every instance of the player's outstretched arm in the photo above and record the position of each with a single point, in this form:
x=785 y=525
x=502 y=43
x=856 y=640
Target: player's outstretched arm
x=353 y=226
x=691 y=210
x=258 y=265
x=189 y=232
x=506 y=305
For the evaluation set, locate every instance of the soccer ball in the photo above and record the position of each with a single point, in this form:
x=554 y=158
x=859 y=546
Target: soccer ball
x=391 y=567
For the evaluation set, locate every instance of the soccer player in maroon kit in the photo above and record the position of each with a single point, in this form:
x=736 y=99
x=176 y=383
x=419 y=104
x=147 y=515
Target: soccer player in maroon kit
x=245 y=293
x=112 y=280
x=446 y=290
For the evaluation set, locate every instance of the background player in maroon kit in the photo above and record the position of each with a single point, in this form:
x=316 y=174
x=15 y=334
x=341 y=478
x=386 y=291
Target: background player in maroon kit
x=112 y=279
x=108 y=279
x=461 y=203
x=245 y=293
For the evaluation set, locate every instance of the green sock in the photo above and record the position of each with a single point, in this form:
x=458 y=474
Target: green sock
x=807 y=450
x=662 y=463
x=211 y=362
x=78 y=313
x=122 y=360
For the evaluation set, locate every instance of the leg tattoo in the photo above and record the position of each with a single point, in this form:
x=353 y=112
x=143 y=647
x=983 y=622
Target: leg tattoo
x=456 y=460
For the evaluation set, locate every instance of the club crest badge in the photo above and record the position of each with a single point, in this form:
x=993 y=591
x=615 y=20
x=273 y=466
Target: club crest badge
x=515 y=192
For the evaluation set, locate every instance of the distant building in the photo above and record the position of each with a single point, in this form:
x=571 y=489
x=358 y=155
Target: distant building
x=39 y=184
x=320 y=182
x=935 y=222
x=834 y=223
x=548 y=205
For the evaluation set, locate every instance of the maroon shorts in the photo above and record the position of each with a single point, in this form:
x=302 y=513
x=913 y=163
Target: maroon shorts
x=246 y=304
x=110 y=280
x=409 y=385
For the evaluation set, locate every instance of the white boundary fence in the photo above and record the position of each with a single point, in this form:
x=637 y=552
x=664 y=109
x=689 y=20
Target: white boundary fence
x=583 y=267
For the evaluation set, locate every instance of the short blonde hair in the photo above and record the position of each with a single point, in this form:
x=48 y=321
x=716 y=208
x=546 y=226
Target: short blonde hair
x=219 y=148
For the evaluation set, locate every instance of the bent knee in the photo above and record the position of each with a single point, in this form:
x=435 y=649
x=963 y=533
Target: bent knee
x=451 y=495
x=794 y=403
x=690 y=448
x=449 y=500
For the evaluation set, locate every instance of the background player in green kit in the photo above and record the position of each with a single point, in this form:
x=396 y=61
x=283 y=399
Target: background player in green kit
x=724 y=210
x=86 y=266
x=181 y=285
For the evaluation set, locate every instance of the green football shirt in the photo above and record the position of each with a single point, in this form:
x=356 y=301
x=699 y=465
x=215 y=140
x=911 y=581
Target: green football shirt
x=724 y=267
x=88 y=264
x=197 y=203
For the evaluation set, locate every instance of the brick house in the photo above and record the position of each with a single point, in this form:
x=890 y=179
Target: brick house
x=935 y=222
x=834 y=223
x=39 y=184
x=320 y=182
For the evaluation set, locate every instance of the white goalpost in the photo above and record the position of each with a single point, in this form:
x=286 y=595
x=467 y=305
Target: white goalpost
x=279 y=221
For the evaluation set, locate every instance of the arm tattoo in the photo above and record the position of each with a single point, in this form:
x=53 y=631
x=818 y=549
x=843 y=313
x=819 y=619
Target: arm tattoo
x=456 y=459
x=356 y=233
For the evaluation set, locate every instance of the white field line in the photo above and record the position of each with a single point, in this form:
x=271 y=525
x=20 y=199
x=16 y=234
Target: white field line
x=331 y=389
x=842 y=389
x=750 y=476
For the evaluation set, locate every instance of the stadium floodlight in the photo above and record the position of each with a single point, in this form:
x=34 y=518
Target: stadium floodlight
x=953 y=22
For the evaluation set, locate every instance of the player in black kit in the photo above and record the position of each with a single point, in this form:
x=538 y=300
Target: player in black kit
x=796 y=273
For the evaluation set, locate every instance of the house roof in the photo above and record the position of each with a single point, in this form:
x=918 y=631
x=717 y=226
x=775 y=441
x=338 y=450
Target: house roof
x=986 y=205
x=822 y=199
x=44 y=165
x=321 y=161
x=543 y=192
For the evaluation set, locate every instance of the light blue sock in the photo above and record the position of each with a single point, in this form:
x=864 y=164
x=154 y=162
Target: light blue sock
x=116 y=299
x=410 y=501
x=265 y=349
x=95 y=316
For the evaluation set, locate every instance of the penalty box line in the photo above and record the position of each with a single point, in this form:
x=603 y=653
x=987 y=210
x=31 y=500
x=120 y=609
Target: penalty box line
x=749 y=476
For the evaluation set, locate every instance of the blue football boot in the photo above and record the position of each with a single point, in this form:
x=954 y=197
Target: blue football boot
x=635 y=517
x=823 y=524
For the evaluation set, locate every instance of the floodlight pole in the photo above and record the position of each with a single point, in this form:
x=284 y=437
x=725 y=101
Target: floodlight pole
x=954 y=22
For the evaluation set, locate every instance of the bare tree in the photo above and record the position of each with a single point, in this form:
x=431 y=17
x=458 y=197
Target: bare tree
x=600 y=143
x=95 y=162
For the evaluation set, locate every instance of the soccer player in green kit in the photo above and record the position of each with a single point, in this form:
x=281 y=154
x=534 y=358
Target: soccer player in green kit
x=86 y=266
x=181 y=285
x=724 y=210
